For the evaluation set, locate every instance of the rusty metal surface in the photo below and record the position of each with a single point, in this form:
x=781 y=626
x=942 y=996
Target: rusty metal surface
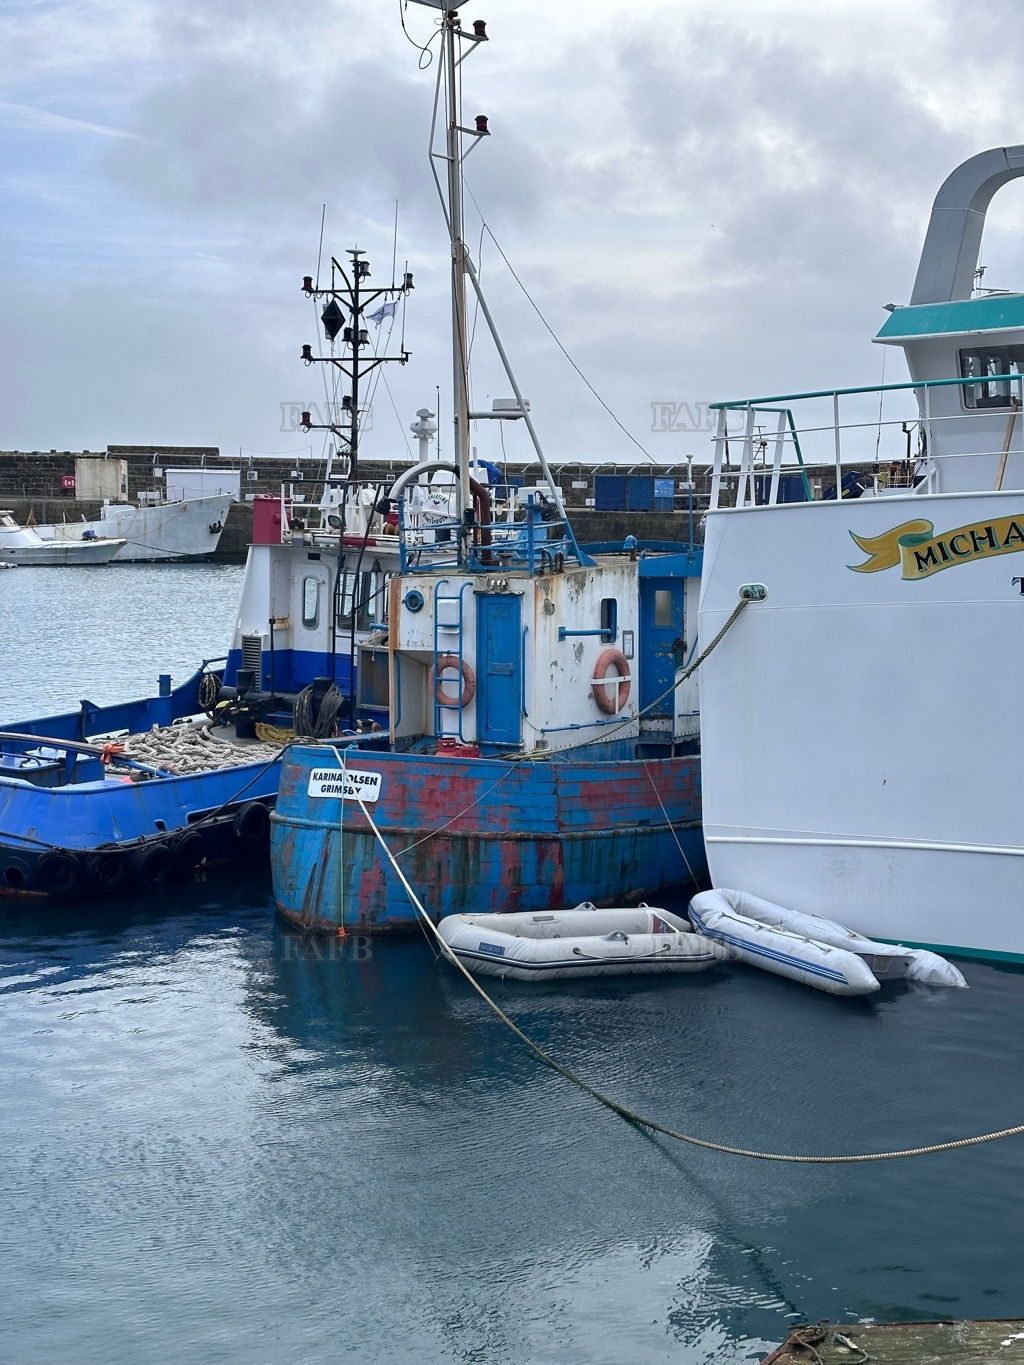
x=482 y=834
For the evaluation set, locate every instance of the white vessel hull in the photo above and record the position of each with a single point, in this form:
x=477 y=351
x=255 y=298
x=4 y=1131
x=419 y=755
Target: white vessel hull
x=51 y=555
x=171 y=530
x=862 y=731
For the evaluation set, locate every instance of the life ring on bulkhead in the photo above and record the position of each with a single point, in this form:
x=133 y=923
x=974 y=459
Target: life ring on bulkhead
x=602 y=694
x=467 y=681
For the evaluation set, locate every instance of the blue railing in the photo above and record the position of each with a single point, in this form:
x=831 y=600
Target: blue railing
x=538 y=544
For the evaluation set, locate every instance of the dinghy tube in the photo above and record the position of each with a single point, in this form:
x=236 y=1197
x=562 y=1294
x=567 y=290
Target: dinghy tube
x=811 y=949
x=584 y=941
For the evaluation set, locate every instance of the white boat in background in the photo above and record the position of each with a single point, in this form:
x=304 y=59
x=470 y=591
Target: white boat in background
x=861 y=723
x=584 y=941
x=187 y=529
x=23 y=545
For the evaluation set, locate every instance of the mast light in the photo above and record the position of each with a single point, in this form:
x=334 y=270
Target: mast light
x=307 y=284
x=307 y=354
x=481 y=125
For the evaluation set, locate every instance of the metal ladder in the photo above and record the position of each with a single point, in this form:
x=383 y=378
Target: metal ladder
x=453 y=647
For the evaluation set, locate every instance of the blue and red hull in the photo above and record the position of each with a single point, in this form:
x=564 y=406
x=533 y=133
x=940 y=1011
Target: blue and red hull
x=479 y=834
x=75 y=831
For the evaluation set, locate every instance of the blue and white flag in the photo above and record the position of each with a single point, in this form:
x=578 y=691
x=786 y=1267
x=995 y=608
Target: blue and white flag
x=386 y=310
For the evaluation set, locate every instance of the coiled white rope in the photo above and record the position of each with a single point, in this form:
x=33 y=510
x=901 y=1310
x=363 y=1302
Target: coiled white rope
x=188 y=749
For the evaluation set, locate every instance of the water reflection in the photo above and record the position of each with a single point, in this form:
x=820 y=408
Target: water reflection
x=221 y=1142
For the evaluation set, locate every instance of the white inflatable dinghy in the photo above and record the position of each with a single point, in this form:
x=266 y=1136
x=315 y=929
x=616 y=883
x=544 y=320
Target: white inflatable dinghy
x=809 y=948
x=584 y=941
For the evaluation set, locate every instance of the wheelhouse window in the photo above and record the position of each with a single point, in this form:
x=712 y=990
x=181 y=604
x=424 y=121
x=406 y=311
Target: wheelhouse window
x=365 y=594
x=983 y=364
x=310 y=603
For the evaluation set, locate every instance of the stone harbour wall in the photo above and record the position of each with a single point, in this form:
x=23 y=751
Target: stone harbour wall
x=32 y=487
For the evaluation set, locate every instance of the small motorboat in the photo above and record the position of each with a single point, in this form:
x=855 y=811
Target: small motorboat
x=809 y=948
x=22 y=545
x=583 y=941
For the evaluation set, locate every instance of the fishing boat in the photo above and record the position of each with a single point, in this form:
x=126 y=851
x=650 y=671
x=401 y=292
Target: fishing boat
x=23 y=545
x=106 y=798
x=861 y=719
x=541 y=742
x=185 y=528
x=583 y=941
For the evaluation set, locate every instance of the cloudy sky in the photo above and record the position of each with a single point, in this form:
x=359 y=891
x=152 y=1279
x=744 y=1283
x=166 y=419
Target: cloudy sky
x=705 y=201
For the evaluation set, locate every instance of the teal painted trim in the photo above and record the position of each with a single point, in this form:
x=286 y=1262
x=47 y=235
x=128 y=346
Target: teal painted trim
x=990 y=313
x=954 y=950
x=739 y=403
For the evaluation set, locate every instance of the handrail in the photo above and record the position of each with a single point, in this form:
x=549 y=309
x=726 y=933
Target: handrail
x=734 y=403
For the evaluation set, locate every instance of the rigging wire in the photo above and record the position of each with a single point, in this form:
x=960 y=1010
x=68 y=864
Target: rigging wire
x=394 y=244
x=551 y=331
x=320 y=248
x=398 y=418
x=476 y=297
x=881 y=395
x=422 y=48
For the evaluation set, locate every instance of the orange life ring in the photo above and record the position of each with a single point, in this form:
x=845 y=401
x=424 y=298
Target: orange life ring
x=602 y=695
x=467 y=681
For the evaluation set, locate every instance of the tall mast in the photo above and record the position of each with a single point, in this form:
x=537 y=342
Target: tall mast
x=460 y=389
x=456 y=42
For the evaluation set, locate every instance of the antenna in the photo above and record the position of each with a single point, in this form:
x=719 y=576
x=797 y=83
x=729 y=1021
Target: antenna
x=347 y=319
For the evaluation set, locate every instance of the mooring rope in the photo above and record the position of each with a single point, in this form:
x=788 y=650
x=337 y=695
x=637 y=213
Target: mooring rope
x=668 y=821
x=630 y=1114
x=687 y=672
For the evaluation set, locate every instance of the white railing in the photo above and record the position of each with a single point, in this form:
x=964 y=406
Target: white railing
x=757 y=442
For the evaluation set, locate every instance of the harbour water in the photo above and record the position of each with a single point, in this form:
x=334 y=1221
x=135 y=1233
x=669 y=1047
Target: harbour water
x=225 y=1142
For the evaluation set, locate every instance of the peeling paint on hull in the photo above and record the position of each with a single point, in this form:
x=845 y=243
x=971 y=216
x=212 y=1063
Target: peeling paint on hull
x=481 y=834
